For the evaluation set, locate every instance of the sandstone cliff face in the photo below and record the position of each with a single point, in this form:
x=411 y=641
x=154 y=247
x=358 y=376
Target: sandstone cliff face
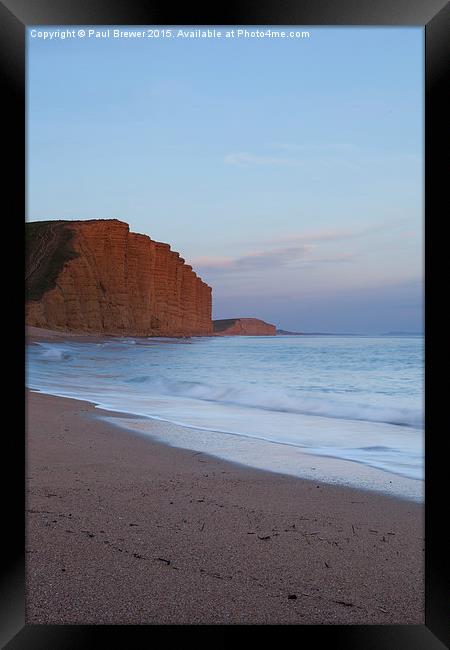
x=111 y=281
x=243 y=327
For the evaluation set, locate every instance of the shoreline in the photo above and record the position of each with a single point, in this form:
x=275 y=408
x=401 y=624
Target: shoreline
x=122 y=528
x=258 y=453
x=34 y=334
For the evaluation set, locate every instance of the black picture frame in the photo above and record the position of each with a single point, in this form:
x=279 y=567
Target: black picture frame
x=434 y=16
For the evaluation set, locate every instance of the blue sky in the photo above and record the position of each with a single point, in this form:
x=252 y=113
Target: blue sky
x=288 y=172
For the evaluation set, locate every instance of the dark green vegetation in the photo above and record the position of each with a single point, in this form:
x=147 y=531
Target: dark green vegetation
x=48 y=246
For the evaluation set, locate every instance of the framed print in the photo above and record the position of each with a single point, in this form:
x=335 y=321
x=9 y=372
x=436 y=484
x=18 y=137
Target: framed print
x=227 y=229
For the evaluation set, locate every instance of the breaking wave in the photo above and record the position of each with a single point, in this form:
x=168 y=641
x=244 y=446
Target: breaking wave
x=349 y=398
x=284 y=402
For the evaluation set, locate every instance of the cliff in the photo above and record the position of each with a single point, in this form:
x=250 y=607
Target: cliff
x=97 y=276
x=243 y=327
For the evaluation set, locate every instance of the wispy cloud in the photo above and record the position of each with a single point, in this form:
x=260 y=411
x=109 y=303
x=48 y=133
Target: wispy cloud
x=321 y=157
x=255 y=260
x=329 y=235
x=244 y=158
x=268 y=260
x=301 y=251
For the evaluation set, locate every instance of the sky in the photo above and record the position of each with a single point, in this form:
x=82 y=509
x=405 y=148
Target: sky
x=288 y=172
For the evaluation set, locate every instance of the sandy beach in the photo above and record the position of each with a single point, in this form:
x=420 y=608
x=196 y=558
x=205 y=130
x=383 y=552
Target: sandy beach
x=224 y=327
x=125 y=530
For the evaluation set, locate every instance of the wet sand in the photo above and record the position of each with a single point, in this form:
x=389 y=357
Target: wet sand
x=122 y=529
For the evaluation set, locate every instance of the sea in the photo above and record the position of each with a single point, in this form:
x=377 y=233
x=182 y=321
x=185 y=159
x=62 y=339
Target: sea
x=342 y=409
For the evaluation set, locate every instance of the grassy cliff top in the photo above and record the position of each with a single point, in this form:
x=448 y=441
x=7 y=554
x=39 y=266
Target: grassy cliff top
x=48 y=246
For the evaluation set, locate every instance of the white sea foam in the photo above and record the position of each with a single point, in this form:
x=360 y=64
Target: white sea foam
x=52 y=353
x=357 y=399
x=277 y=400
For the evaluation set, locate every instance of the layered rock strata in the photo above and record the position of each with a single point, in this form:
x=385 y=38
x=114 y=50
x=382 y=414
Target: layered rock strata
x=97 y=276
x=243 y=327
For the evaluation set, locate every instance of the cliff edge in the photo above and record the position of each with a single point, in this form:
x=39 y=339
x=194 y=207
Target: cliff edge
x=243 y=327
x=96 y=276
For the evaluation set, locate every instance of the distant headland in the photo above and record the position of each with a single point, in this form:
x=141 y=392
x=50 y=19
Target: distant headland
x=243 y=327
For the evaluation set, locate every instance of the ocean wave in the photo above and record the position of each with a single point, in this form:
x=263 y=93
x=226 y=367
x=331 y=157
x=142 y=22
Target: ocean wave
x=49 y=353
x=293 y=402
x=130 y=370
